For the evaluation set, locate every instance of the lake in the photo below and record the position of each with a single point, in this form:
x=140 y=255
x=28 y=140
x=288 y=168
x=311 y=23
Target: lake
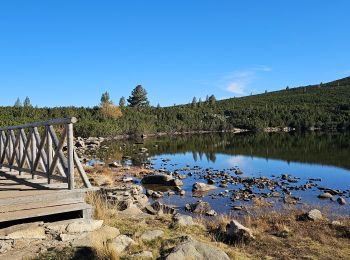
x=317 y=160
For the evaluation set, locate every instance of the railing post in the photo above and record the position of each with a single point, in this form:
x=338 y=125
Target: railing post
x=70 y=155
x=49 y=154
x=1 y=147
x=33 y=148
x=10 y=148
x=20 y=150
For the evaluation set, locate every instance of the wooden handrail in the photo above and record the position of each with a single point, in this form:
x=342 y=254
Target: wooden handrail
x=42 y=154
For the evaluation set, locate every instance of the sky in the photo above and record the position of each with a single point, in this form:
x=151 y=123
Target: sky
x=68 y=52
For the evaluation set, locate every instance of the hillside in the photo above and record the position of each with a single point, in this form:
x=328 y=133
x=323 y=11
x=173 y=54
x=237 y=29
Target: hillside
x=325 y=106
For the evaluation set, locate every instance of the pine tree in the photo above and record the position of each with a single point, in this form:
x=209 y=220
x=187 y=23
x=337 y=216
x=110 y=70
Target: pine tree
x=105 y=99
x=18 y=103
x=200 y=102
x=27 y=102
x=122 y=102
x=194 y=101
x=138 y=97
x=212 y=100
x=158 y=105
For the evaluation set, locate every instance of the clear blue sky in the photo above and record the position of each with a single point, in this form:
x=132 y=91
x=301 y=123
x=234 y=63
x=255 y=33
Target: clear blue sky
x=68 y=52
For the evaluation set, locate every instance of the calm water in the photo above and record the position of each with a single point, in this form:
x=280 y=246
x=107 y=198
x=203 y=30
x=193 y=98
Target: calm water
x=305 y=156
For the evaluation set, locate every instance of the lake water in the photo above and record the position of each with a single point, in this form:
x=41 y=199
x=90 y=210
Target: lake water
x=303 y=156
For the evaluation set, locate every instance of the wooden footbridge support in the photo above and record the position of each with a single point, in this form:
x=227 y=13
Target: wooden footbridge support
x=37 y=166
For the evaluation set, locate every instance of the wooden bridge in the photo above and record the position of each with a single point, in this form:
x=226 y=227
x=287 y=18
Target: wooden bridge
x=37 y=171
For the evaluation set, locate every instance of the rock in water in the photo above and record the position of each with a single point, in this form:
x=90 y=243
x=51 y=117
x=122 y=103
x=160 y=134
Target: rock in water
x=325 y=195
x=192 y=249
x=238 y=232
x=161 y=179
x=341 y=201
x=202 y=187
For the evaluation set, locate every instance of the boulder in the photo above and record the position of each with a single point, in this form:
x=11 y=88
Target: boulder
x=192 y=249
x=341 y=201
x=237 y=232
x=202 y=187
x=151 y=235
x=314 y=215
x=24 y=231
x=161 y=179
x=325 y=195
x=84 y=225
x=180 y=220
x=121 y=242
x=200 y=207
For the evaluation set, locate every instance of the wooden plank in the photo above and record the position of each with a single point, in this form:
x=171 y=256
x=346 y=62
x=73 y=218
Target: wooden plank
x=42 y=174
x=49 y=155
x=57 y=121
x=56 y=143
x=57 y=152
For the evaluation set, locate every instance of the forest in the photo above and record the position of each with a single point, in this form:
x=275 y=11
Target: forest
x=322 y=106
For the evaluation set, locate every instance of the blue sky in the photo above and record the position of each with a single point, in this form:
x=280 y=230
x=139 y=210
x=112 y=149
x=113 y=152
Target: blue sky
x=68 y=52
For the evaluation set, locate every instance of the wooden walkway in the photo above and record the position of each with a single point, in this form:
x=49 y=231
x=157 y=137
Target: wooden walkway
x=28 y=184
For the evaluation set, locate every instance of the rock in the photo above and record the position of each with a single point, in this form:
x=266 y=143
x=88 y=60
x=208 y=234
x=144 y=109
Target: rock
x=202 y=187
x=128 y=179
x=24 y=231
x=182 y=193
x=102 y=235
x=161 y=179
x=162 y=208
x=180 y=220
x=211 y=213
x=238 y=232
x=336 y=223
x=84 y=225
x=314 y=215
x=192 y=249
x=325 y=195
x=121 y=242
x=70 y=237
x=200 y=207
x=151 y=235
x=341 y=201
x=142 y=255
x=115 y=165
x=5 y=246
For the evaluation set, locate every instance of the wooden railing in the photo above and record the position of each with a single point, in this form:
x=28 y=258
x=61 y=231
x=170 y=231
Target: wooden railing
x=35 y=148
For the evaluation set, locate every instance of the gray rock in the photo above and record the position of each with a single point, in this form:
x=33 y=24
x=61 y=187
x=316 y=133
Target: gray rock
x=325 y=195
x=121 y=242
x=200 y=207
x=341 y=201
x=161 y=179
x=5 y=246
x=314 y=215
x=84 y=225
x=192 y=249
x=211 y=213
x=238 y=232
x=202 y=187
x=24 y=231
x=151 y=235
x=180 y=220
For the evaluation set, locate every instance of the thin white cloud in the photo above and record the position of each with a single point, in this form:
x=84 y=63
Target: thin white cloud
x=237 y=82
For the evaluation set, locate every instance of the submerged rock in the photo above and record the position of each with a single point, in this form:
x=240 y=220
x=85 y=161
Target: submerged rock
x=325 y=195
x=341 y=201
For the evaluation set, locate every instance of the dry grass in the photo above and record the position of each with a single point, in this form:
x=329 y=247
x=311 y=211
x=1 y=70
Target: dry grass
x=279 y=235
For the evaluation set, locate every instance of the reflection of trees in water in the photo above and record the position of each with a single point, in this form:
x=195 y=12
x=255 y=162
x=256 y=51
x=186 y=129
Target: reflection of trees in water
x=321 y=148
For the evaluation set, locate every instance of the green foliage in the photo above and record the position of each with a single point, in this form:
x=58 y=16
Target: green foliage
x=27 y=102
x=122 y=102
x=138 y=97
x=18 y=103
x=105 y=99
x=325 y=107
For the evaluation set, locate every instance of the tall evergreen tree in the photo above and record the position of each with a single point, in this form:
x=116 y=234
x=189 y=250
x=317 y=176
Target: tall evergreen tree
x=194 y=102
x=18 y=103
x=122 y=102
x=212 y=100
x=105 y=99
x=138 y=97
x=27 y=102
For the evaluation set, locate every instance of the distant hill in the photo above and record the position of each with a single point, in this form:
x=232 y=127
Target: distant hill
x=324 y=106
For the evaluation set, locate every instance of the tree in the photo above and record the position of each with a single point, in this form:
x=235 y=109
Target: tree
x=158 y=105
x=18 y=103
x=194 y=102
x=212 y=100
x=200 y=102
x=122 y=102
x=27 y=102
x=287 y=88
x=138 y=97
x=105 y=99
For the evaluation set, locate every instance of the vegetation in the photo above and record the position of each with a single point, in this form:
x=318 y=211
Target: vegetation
x=325 y=106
